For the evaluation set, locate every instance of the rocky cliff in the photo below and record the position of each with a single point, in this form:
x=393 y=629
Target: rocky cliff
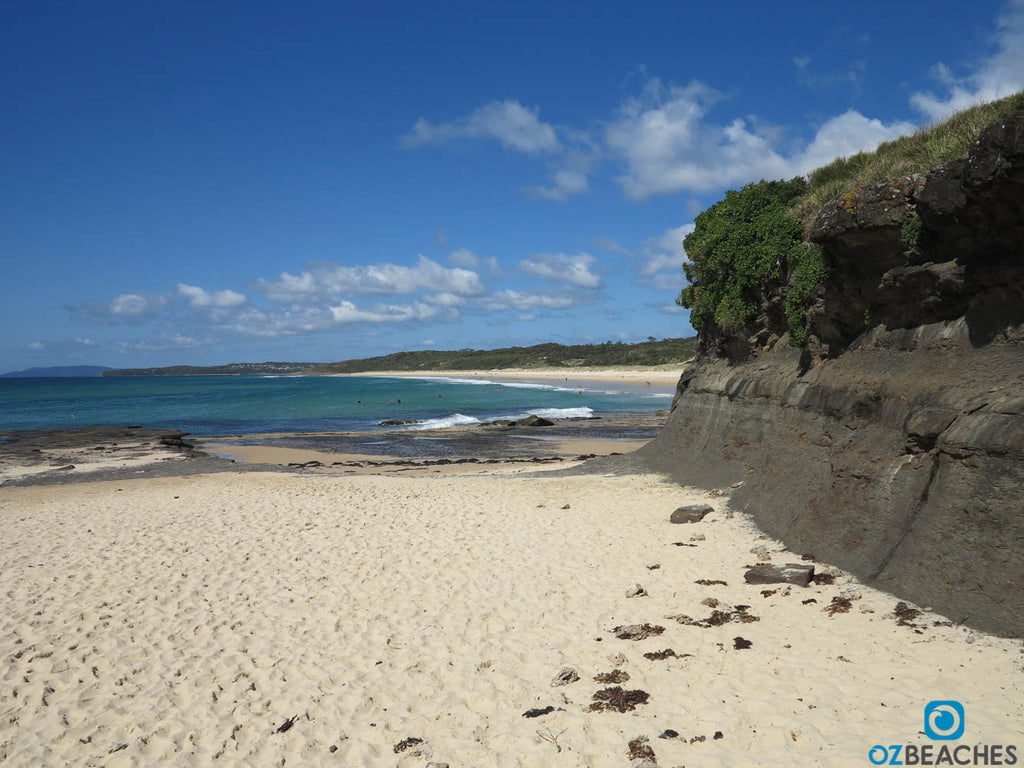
x=893 y=445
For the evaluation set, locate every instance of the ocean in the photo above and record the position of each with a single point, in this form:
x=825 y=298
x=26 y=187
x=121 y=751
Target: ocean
x=232 y=405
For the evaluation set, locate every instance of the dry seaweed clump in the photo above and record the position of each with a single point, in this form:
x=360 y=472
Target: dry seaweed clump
x=616 y=699
x=839 y=604
x=538 y=712
x=405 y=744
x=905 y=615
x=611 y=678
x=668 y=653
x=637 y=631
x=719 y=617
x=640 y=749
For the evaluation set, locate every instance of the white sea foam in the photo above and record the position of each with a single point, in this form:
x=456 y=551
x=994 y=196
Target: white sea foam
x=454 y=420
x=561 y=413
x=490 y=382
x=461 y=420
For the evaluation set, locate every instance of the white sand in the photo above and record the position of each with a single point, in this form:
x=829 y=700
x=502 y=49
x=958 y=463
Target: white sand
x=661 y=378
x=182 y=622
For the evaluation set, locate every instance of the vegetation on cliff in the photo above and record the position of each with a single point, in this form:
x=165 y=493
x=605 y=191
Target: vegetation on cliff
x=748 y=253
x=745 y=247
x=916 y=153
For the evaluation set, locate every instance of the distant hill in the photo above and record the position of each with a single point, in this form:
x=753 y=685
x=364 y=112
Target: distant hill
x=60 y=371
x=644 y=353
x=610 y=354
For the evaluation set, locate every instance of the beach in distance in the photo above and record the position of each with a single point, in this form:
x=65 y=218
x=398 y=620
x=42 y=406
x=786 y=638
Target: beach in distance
x=508 y=613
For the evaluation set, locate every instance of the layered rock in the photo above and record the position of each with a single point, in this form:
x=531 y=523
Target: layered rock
x=893 y=445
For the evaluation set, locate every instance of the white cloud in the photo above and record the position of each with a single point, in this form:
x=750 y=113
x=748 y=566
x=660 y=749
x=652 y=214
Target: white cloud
x=662 y=259
x=445 y=300
x=846 y=135
x=463 y=257
x=134 y=305
x=566 y=184
x=130 y=308
x=68 y=346
x=347 y=312
x=504 y=300
x=159 y=343
x=201 y=299
x=332 y=280
x=276 y=323
x=519 y=128
x=611 y=245
x=999 y=75
x=668 y=145
x=560 y=267
x=515 y=126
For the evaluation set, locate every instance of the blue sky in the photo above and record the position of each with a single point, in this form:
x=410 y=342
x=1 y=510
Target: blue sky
x=217 y=182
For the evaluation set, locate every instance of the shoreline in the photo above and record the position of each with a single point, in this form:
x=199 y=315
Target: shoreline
x=662 y=379
x=92 y=454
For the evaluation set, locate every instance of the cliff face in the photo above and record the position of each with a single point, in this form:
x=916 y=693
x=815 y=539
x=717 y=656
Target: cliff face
x=894 y=445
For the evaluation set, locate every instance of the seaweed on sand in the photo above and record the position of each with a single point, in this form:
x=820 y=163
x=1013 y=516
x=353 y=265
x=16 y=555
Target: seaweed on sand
x=616 y=699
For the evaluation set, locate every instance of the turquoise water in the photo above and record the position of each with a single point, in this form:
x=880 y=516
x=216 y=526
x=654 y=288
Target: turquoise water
x=227 y=405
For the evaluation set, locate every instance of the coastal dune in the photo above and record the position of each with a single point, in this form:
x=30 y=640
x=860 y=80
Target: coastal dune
x=281 y=619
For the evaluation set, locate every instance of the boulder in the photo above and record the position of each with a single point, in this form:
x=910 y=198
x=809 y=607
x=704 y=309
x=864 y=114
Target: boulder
x=790 y=573
x=692 y=513
x=534 y=421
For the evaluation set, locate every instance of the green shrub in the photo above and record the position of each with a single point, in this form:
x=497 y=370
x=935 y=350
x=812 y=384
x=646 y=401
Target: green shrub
x=807 y=272
x=910 y=234
x=738 y=245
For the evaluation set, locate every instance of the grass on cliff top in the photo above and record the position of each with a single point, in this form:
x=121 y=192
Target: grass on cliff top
x=916 y=153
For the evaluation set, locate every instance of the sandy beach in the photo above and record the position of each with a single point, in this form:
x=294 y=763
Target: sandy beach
x=274 y=618
x=659 y=378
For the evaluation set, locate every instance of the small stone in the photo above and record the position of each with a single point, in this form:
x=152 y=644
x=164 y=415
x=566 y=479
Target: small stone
x=565 y=676
x=692 y=513
x=437 y=765
x=618 y=659
x=698 y=537
x=636 y=590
